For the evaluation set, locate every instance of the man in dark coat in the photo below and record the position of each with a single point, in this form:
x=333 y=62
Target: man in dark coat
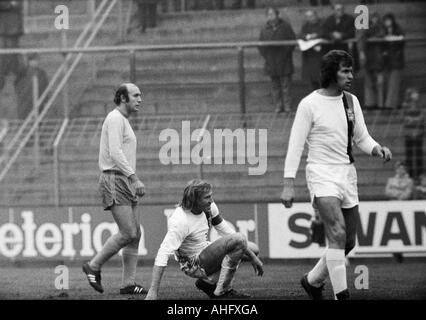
x=147 y=14
x=371 y=59
x=338 y=27
x=278 y=60
x=311 y=58
x=11 y=29
x=24 y=86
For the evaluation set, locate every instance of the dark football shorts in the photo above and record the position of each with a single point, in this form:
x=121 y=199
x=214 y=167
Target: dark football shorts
x=115 y=189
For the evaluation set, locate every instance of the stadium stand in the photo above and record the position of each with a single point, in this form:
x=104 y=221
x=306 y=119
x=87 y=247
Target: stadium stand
x=187 y=85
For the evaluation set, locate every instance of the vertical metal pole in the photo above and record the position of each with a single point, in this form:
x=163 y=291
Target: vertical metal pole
x=242 y=85
x=132 y=66
x=91 y=7
x=36 y=132
x=256 y=223
x=25 y=14
x=56 y=175
x=65 y=96
x=120 y=21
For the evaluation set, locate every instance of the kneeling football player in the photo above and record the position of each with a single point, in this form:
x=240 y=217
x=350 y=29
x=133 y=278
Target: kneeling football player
x=213 y=263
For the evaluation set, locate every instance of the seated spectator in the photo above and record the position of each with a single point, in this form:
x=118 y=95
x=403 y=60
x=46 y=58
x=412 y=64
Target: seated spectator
x=371 y=60
x=414 y=130
x=400 y=186
x=311 y=58
x=420 y=190
x=394 y=62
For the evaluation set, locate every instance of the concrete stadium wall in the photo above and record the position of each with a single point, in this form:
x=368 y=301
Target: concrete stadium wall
x=77 y=233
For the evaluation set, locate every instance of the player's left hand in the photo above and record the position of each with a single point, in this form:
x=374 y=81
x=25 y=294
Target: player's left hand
x=257 y=266
x=382 y=152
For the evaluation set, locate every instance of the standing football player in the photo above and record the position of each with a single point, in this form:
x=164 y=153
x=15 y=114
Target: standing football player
x=330 y=119
x=120 y=187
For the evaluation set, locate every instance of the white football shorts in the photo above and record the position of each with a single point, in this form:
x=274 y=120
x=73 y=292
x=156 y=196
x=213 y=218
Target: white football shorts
x=338 y=181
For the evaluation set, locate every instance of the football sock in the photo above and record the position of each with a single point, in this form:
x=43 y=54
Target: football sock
x=319 y=273
x=335 y=259
x=226 y=275
x=111 y=247
x=129 y=258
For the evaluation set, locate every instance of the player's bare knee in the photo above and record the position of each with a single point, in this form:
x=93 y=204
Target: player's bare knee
x=239 y=241
x=129 y=237
x=338 y=236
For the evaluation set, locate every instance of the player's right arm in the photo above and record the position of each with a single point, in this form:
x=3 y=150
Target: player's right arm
x=299 y=132
x=177 y=231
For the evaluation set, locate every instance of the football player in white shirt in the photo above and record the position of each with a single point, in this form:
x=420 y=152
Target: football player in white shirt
x=213 y=263
x=330 y=120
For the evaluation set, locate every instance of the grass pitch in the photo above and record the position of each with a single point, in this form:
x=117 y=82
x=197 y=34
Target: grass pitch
x=387 y=279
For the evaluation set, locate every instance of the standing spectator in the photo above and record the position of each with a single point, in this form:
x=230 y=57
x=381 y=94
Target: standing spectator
x=420 y=190
x=311 y=58
x=238 y=4
x=147 y=13
x=393 y=60
x=371 y=59
x=11 y=29
x=400 y=186
x=24 y=85
x=414 y=130
x=278 y=60
x=338 y=27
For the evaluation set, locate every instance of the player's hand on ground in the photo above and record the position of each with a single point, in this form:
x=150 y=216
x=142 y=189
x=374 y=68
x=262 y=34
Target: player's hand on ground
x=139 y=187
x=287 y=196
x=382 y=152
x=257 y=266
x=151 y=295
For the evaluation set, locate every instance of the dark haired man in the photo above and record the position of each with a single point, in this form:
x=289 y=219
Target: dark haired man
x=330 y=119
x=213 y=263
x=120 y=187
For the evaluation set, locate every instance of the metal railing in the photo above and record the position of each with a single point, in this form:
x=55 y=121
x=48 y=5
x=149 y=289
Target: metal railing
x=53 y=82
x=56 y=168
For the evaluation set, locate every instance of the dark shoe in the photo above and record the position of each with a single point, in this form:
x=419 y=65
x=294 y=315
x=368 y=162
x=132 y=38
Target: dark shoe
x=232 y=294
x=94 y=277
x=343 y=295
x=279 y=110
x=133 y=289
x=207 y=288
x=313 y=292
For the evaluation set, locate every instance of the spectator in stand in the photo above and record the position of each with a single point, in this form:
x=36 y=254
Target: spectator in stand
x=24 y=85
x=311 y=58
x=278 y=59
x=338 y=27
x=147 y=14
x=414 y=130
x=11 y=29
x=393 y=54
x=238 y=4
x=319 y=2
x=371 y=60
x=420 y=190
x=400 y=186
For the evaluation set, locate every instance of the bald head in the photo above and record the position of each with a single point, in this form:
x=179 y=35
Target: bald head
x=123 y=91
